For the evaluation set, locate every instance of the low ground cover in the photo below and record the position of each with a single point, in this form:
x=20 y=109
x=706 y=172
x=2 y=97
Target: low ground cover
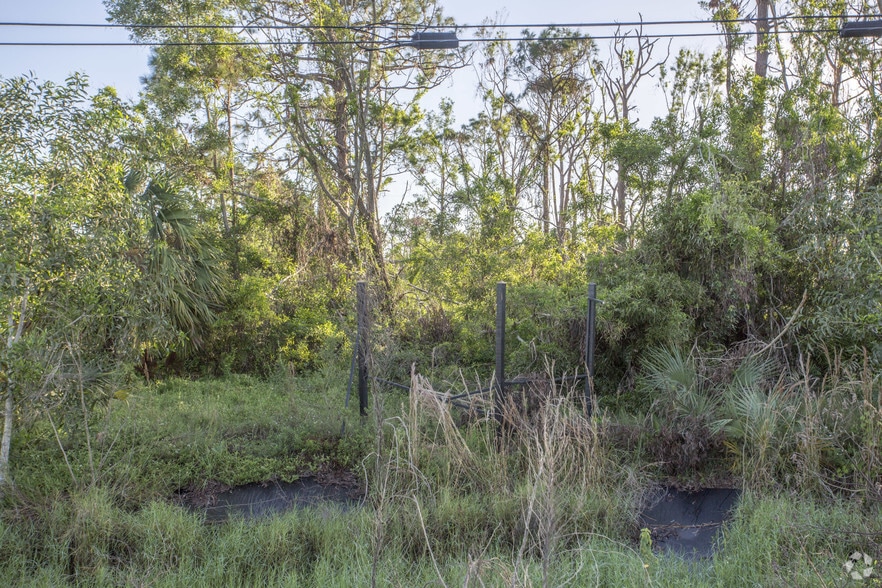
x=552 y=501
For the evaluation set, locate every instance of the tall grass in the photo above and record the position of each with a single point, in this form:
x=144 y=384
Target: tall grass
x=550 y=502
x=773 y=541
x=444 y=491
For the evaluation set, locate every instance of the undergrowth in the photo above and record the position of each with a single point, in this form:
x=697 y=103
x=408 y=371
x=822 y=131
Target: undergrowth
x=548 y=498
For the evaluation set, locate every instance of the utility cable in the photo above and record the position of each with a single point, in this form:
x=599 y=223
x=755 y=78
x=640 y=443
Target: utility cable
x=355 y=27
x=367 y=28
x=399 y=43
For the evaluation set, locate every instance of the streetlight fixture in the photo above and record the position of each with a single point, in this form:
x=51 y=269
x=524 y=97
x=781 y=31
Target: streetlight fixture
x=433 y=40
x=864 y=28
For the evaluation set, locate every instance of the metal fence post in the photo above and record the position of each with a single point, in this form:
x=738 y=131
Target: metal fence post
x=499 y=392
x=361 y=345
x=589 y=348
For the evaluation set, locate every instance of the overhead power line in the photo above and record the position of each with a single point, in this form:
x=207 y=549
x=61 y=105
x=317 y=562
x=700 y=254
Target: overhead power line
x=354 y=27
x=391 y=43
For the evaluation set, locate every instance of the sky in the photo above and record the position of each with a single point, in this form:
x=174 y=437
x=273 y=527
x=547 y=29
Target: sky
x=123 y=67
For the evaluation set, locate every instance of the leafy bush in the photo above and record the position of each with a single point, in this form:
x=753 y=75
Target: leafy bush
x=248 y=332
x=270 y=323
x=642 y=309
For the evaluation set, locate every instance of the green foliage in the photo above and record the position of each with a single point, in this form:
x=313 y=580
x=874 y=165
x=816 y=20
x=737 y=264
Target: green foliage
x=66 y=218
x=760 y=421
x=557 y=507
x=684 y=414
x=271 y=323
x=743 y=225
x=642 y=309
x=447 y=308
x=248 y=333
x=754 y=188
x=182 y=280
x=705 y=412
x=66 y=226
x=843 y=309
x=724 y=244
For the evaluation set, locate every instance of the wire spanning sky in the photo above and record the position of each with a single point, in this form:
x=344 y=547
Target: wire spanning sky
x=123 y=66
x=114 y=61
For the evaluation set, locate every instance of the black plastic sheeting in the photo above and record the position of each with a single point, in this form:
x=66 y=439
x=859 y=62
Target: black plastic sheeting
x=254 y=501
x=689 y=523
x=684 y=523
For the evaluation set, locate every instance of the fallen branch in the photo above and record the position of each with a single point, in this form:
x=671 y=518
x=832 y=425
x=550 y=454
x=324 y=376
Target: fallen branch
x=787 y=326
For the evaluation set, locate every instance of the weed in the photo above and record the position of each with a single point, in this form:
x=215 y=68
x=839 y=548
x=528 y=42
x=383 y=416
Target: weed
x=552 y=502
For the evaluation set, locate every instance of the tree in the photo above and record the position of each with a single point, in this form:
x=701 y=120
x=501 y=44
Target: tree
x=181 y=281
x=345 y=93
x=95 y=263
x=555 y=111
x=66 y=222
x=196 y=98
x=627 y=67
x=431 y=158
x=762 y=37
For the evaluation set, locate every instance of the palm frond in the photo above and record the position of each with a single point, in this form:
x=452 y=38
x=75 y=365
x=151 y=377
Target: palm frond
x=183 y=273
x=669 y=370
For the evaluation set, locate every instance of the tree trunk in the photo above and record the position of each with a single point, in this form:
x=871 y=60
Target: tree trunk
x=837 y=83
x=222 y=198
x=564 y=183
x=546 y=172
x=218 y=172
x=341 y=143
x=228 y=107
x=762 y=38
x=5 y=444
x=14 y=333
x=620 y=195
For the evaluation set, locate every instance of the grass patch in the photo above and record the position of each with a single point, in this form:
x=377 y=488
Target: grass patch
x=180 y=433
x=551 y=502
x=774 y=541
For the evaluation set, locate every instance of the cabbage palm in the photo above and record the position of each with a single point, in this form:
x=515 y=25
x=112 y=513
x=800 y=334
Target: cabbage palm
x=761 y=417
x=182 y=275
x=676 y=377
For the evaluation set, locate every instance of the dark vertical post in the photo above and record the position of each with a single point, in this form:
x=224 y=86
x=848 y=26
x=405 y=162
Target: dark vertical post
x=589 y=348
x=499 y=392
x=361 y=346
